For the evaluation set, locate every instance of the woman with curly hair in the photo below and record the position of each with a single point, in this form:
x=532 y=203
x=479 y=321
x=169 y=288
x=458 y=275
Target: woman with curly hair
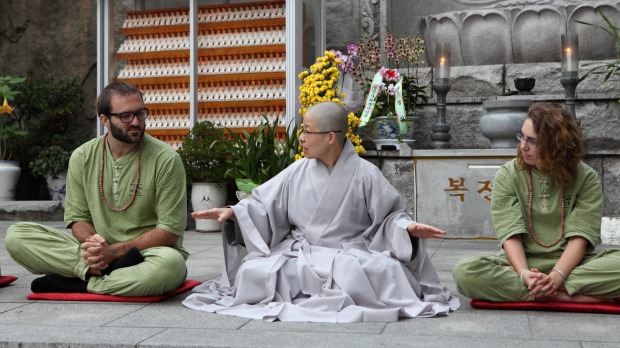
x=547 y=208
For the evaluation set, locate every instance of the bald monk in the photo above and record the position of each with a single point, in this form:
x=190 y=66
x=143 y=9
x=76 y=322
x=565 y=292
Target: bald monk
x=326 y=240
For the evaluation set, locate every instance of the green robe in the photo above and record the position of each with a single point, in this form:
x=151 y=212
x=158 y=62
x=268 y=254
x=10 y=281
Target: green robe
x=597 y=275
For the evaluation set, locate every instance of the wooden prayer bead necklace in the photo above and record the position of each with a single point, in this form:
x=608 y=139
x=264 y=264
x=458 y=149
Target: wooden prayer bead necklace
x=135 y=189
x=529 y=213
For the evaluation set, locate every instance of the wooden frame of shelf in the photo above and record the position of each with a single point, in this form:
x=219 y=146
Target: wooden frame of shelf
x=167 y=131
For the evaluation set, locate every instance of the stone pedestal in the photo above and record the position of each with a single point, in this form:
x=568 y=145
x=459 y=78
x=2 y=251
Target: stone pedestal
x=453 y=189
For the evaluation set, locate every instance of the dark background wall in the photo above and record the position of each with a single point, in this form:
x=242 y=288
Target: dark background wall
x=52 y=38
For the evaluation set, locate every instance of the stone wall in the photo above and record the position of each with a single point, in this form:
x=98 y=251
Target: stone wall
x=51 y=38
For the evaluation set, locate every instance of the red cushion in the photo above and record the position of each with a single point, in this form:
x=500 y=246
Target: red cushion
x=582 y=307
x=73 y=296
x=6 y=280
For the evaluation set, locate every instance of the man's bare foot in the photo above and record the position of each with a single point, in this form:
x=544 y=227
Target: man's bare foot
x=94 y=272
x=561 y=296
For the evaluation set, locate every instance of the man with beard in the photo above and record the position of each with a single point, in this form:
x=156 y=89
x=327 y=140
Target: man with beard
x=125 y=205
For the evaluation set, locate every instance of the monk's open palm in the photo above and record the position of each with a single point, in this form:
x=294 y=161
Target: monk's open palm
x=424 y=231
x=219 y=214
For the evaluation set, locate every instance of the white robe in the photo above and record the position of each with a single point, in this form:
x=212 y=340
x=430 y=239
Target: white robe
x=325 y=248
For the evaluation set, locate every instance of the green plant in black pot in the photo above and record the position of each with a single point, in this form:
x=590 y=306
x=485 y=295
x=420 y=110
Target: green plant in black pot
x=51 y=111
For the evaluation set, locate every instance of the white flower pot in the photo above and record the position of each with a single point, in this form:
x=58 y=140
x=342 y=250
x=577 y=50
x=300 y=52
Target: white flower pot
x=56 y=185
x=9 y=174
x=206 y=196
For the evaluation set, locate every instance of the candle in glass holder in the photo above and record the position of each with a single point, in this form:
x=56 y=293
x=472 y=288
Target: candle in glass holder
x=442 y=63
x=570 y=55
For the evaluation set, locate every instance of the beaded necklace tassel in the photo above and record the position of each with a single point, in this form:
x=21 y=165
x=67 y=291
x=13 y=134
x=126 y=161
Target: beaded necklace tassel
x=135 y=189
x=529 y=213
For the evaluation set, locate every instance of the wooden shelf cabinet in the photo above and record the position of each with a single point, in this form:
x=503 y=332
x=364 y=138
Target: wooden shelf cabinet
x=240 y=72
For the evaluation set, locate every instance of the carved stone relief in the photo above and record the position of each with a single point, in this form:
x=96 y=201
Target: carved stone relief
x=505 y=32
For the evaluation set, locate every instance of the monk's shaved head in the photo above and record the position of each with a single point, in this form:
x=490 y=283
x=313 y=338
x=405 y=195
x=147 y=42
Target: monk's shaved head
x=330 y=116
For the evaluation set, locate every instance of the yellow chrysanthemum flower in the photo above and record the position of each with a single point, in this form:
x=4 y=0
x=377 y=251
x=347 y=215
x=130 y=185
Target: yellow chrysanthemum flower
x=320 y=85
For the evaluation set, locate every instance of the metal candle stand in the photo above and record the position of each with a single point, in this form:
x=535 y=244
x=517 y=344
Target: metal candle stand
x=441 y=136
x=570 y=86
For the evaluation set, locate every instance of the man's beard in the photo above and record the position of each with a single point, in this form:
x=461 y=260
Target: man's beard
x=124 y=136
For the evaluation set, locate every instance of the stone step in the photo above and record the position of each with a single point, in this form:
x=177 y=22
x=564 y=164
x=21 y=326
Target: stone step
x=31 y=211
x=610 y=230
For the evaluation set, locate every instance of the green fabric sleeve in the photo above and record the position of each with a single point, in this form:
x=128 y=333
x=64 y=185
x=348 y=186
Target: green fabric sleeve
x=508 y=217
x=76 y=205
x=586 y=206
x=171 y=196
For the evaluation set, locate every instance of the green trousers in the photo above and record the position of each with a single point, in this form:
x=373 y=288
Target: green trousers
x=488 y=278
x=44 y=250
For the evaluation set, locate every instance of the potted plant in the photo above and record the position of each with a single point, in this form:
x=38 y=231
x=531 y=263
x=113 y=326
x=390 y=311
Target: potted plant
x=52 y=164
x=257 y=156
x=9 y=130
x=394 y=91
x=52 y=112
x=204 y=156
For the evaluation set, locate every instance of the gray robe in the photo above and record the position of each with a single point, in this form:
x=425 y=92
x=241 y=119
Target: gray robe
x=326 y=248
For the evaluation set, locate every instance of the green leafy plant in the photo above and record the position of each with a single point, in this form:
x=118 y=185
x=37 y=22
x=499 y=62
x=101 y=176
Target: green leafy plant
x=51 y=161
x=9 y=123
x=257 y=156
x=204 y=154
x=612 y=68
x=51 y=111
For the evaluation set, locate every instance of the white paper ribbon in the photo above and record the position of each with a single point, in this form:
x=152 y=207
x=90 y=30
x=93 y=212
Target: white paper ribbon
x=399 y=106
x=375 y=89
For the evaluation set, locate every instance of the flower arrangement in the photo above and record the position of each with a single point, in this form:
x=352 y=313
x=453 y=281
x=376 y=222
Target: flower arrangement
x=320 y=85
x=393 y=90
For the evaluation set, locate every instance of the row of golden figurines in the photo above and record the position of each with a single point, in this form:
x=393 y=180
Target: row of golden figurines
x=206 y=39
x=205 y=15
x=220 y=91
x=246 y=117
x=247 y=63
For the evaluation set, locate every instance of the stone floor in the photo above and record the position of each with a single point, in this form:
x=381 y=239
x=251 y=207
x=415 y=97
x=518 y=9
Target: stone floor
x=27 y=323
